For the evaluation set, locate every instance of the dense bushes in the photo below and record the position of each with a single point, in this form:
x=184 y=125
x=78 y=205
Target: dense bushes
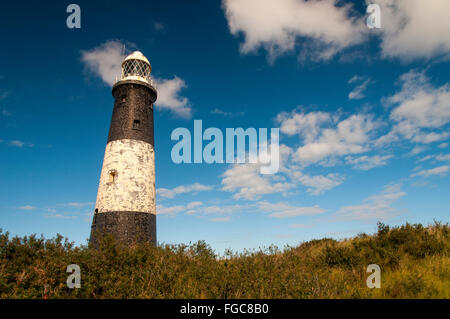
x=414 y=261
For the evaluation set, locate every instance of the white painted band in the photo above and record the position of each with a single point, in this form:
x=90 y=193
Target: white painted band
x=127 y=181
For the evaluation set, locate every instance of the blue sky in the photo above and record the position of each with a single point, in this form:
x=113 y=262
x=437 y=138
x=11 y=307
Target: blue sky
x=363 y=114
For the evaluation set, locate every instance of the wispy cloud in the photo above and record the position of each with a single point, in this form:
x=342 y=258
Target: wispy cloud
x=284 y=210
x=27 y=207
x=60 y=216
x=318 y=184
x=3 y=94
x=159 y=26
x=378 y=207
x=220 y=219
x=20 y=144
x=182 y=189
x=226 y=114
x=437 y=157
x=300 y=226
x=189 y=209
x=358 y=92
x=418 y=149
x=440 y=170
x=6 y=113
x=80 y=204
x=17 y=143
x=368 y=162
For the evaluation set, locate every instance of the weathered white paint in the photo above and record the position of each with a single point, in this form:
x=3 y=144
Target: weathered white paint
x=134 y=185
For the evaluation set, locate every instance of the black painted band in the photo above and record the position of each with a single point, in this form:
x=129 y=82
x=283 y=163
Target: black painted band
x=128 y=227
x=132 y=116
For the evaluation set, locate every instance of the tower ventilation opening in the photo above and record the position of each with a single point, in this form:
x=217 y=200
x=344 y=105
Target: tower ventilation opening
x=112 y=177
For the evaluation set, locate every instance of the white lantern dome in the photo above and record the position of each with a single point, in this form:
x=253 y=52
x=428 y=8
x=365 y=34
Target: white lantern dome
x=136 y=67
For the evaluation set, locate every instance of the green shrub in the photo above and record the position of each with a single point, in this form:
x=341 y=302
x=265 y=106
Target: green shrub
x=414 y=261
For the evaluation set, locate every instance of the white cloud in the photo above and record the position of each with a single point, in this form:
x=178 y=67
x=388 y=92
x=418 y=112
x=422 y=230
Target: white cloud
x=223 y=210
x=226 y=114
x=220 y=219
x=427 y=138
x=443 y=157
x=325 y=137
x=20 y=144
x=443 y=145
x=173 y=210
x=194 y=204
x=6 y=113
x=378 y=207
x=27 y=207
x=80 y=204
x=307 y=125
x=162 y=210
x=411 y=29
x=17 y=143
x=358 y=92
x=318 y=184
x=182 y=189
x=283 y=210
x=418 y=149
x=169 y=97
x=420 y=104
x=419 y=110
x=321 y=27
x=300 y=226
x=414 y=28
x=3 y=94
x=60 y=216
x=159 y=26
x=247 y=183
x=105 y=61
x=440 y=170
x=426 y=158
x=368 y=162
x=200 y=210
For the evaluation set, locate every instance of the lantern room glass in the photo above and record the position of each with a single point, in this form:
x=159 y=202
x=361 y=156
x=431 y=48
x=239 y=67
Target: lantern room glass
x=136 y=68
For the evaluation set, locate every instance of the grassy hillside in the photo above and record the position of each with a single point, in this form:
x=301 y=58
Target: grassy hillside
x=414 y=263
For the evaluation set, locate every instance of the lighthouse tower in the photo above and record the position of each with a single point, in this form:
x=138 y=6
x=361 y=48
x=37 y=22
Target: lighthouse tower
x=125 y=205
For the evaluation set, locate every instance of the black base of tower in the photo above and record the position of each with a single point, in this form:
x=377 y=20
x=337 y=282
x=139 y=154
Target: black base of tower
x=127 y=227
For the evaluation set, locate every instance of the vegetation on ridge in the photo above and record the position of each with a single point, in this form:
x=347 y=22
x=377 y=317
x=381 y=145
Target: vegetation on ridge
x=414 y=263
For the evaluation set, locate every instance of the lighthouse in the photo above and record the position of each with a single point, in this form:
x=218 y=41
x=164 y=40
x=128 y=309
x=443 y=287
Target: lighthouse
x=126 y=198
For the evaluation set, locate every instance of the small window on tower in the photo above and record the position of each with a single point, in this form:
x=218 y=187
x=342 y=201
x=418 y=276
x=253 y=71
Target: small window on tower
x=136 y=124
x=123 y=99
x=112 y=177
